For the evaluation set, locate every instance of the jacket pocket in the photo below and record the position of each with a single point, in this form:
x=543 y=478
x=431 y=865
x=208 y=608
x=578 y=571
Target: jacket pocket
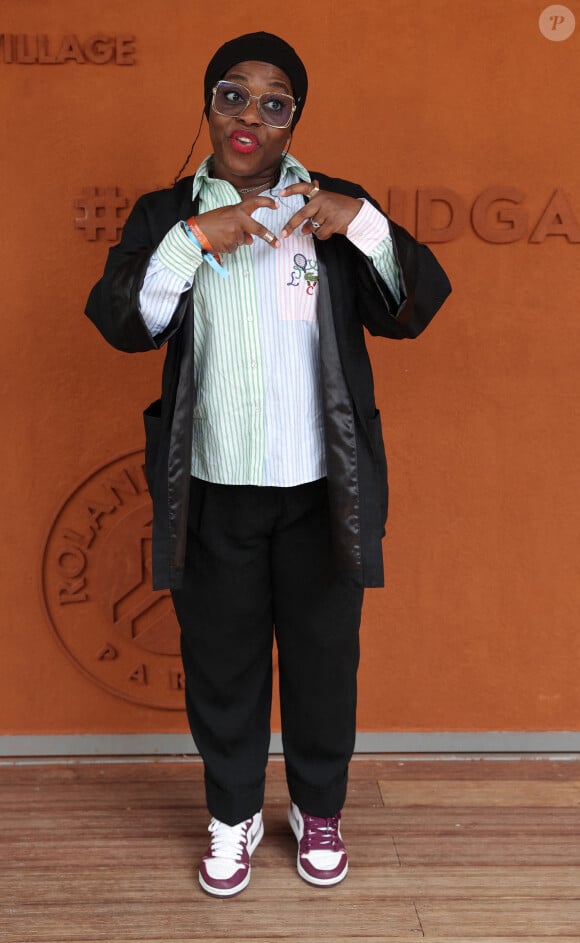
x=152 y=420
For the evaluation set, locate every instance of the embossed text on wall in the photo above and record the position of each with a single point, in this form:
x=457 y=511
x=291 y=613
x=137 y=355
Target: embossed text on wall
x=41 y=49
x=96 y=579
x=498 y=215
x=433 y=214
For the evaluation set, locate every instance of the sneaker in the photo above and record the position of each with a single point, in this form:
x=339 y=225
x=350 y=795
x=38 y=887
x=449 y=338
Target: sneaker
x=322 y=857
x=225 y=867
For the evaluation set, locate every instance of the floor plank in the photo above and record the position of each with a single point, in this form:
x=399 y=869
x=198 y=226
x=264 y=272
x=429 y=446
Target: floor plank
x=60 y=884
x=463 y=793
x=335 y=915
x=488 y=850
x=461 y=919
x=496 y=821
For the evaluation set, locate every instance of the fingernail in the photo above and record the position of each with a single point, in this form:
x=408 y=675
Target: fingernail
x=283 y=234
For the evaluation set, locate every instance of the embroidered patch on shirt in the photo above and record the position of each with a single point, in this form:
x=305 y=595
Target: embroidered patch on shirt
x=304 y=273
x=298 y=280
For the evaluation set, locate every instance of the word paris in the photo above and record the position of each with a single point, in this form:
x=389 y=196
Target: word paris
x=40 y=49
x=497 y=215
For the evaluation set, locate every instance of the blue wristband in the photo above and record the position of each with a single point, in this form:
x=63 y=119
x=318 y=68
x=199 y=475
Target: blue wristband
x=190 y=235
x=207 y=256
x=211 y=259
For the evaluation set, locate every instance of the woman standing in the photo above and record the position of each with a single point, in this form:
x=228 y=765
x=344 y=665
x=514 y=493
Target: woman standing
x=264 y=456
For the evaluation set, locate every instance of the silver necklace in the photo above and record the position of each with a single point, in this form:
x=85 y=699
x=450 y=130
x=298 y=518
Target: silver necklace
x=261 y=186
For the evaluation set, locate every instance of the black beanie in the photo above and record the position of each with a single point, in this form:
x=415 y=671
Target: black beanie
x=258 y=47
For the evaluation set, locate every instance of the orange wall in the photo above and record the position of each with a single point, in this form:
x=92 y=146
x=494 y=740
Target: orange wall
x=477 y=628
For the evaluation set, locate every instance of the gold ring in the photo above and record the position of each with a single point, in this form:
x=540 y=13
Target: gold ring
x=269 y=237
x=313 y=192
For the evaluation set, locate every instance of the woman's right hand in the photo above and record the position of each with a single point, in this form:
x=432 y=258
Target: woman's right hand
x=231 y=226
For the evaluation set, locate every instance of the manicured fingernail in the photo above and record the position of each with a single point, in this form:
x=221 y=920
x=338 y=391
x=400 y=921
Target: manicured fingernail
x=283 y=234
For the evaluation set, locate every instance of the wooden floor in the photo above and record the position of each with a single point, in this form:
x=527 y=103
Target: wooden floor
x=440 y=850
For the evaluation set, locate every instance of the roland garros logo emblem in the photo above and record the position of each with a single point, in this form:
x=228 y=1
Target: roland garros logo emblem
x=96 y=578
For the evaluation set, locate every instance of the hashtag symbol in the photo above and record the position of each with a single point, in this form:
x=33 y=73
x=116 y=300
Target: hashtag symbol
x=100 y=209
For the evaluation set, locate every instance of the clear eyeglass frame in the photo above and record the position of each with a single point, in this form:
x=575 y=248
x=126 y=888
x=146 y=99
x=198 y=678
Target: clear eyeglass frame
x=256 y=98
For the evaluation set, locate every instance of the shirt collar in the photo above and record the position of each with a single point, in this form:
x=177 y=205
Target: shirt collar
x=289 y=165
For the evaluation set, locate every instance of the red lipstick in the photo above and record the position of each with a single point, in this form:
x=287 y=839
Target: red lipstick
x=244 y=142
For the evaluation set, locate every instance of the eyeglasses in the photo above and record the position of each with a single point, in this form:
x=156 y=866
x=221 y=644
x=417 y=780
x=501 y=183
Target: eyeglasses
x=231 y=100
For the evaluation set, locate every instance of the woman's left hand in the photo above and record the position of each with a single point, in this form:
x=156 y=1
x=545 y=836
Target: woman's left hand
x=333 y=212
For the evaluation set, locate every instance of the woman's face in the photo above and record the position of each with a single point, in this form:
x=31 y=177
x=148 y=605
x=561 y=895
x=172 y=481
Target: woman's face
x=245 y=149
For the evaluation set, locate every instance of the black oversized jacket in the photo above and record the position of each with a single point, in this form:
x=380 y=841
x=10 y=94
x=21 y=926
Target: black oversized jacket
x=351 y=294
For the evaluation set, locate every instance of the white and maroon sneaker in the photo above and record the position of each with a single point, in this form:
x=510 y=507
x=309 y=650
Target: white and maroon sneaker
x=225 y=867
x=322 y=857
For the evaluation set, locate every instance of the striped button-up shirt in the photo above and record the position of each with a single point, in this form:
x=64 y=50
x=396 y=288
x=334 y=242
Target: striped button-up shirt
x=258 y=416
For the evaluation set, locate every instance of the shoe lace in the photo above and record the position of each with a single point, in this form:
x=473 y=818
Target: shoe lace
x=228 y=841
x=321 y=833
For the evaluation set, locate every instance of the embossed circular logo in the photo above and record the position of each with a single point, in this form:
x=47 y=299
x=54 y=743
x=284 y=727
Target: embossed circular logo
x=557 y=22
x=96 y=578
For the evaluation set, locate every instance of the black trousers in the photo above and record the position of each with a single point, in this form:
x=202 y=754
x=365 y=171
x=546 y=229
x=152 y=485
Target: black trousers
x=259 y=561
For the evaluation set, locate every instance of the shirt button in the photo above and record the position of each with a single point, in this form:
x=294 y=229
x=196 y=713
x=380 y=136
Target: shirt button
x=253 y=364
x=249 y=318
